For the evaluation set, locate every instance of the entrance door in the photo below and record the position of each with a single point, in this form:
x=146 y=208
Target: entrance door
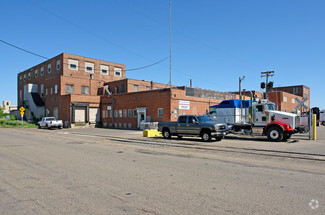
x=94 y=115
x=56 y=113
x=142 y=115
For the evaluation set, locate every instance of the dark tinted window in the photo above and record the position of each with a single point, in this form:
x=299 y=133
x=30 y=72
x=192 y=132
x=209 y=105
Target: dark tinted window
x=182 y=119
x=192 y=119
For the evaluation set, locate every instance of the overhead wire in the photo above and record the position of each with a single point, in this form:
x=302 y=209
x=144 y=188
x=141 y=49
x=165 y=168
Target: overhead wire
x=133 y=69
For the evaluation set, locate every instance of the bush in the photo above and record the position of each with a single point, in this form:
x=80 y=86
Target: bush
x=12 y=118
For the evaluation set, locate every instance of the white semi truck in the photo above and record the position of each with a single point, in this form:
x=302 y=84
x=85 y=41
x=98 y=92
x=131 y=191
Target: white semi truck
x=276 y=125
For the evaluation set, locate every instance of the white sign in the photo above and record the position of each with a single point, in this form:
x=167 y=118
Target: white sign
x=109 y=107
x=184 y=105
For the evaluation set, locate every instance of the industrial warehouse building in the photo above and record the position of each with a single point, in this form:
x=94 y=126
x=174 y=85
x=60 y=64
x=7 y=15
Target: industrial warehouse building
x=85 y=91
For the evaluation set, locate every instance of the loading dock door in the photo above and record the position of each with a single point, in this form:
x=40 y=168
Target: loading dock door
x=80 y=115
x=56 y=113
x=94 y=116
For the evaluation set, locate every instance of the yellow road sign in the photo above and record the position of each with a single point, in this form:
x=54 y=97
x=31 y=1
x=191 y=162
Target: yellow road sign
x=21 y=112
x=22 y=109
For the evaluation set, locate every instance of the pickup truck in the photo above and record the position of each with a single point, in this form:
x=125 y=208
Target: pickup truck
x=50 y=122
x=192 y=125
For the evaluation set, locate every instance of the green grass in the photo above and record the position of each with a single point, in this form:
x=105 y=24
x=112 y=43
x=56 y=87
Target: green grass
x=16 y=124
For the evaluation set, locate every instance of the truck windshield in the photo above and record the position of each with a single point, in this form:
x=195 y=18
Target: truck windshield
x=50 y=119
x=270 y=106
x=203 y=119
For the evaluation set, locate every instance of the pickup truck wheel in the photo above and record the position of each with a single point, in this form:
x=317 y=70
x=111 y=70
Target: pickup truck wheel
x=39 y=127
x=274 y=134
x=206 y=136
x=166 y=134
x=60 y=127
x=219 y=138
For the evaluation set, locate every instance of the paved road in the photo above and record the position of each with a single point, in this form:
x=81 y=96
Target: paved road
x=54 y=172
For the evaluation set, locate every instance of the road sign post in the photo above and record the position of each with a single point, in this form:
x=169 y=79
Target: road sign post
x=22 y=109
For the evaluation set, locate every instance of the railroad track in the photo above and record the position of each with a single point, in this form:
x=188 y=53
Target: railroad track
x=216 y=148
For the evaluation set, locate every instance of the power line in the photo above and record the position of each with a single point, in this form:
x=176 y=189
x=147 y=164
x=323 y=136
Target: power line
x=24 y=50
x=86 y=30
x=80 y=66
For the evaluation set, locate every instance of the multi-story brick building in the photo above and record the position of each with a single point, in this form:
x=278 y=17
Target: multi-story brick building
x=66 y=87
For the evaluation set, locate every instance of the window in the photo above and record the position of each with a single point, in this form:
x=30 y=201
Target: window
x=69 y=88
x=160 y=112
x=122 y=89
x=115 y=114
x=20 y=79
x=42 y=90
x=73 y=64
x=259 y=108
x=176 y=113
x=120 y=113
x=103 y=113
x=85 y=90
x=147 y=88
x=117 y=72
x=130 y=113
x=48 y=68
x=104 y=70
x=110 y=113
x=295 y=90
x=29 y=76
x=56 y=89
x=58 y=65
x=182 y=119
x=36 y=73
x=106 y=113
x=42 y=71
x=51 y=90
x=135 y=115
x=124 y=113
x=192 y=119
x=285 y=99
x=116 y=89
x=293 y=101
x=20 y=95
x=136 y=87
x=89 y=67
x=24 y=77
x=306 y=91
x=46 y=91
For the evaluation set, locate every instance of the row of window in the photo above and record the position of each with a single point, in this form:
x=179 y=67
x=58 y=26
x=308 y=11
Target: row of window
x=49 y=70
x=90 y=68
x=127 y=113
x=69 y=89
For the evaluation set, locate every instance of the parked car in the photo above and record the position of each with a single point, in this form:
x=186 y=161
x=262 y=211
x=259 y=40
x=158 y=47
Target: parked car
x=192 y=125
x=50 y=122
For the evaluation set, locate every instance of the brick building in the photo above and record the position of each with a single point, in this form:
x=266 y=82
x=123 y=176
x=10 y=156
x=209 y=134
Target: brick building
x=66 y=87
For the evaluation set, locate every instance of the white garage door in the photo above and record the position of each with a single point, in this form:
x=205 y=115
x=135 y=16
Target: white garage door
x=80 y=114
x=94 y=116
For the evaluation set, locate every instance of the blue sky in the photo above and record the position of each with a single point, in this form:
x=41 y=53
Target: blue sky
x=213 y=41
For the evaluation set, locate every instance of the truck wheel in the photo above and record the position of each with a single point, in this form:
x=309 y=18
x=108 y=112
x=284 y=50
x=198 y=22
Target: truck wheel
x=206 y=136
x=219 y=138
x=166 y=134
x=39 y=127
x=274 y=134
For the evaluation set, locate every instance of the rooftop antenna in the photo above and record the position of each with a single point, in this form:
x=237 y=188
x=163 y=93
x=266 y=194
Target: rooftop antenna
x=170 y=43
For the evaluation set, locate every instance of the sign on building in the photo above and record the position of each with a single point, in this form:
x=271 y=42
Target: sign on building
x=184 y=105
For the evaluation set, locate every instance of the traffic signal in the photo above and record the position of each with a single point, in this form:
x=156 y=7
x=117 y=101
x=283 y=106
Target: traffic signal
x=263 y=85
x=270 y=85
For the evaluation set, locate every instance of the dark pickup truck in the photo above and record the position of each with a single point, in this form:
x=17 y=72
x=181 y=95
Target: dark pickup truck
x=191 y=125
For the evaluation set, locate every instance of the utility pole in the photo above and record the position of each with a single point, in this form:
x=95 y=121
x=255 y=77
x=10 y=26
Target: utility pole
x=241 y=101
x=170 y=43
x=267 y=74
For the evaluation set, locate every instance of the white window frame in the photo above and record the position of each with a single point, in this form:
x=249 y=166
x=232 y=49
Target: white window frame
x=20 y=95
x=129 y=113
x=162 y=113
x=49 y=68
x=115 y=113
x=285 y=99
x=120 y=113
x=84 y=90
x=42 y=71
x=29 y=76
x=65 y=90
x=104 y=67
x=46 y=91
x=125 y=113
x=20 y=79
x=135 y=113
x=135 y=88
x=51 y=90
x=116 y=70
x=73 y=62
x=293 y=101
x=90 y=65
x=24 y=77
x=36 y=73
x=56 y=89
x=295 y=90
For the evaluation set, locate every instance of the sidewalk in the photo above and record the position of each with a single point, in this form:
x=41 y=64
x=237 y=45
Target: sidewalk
x=298 y=143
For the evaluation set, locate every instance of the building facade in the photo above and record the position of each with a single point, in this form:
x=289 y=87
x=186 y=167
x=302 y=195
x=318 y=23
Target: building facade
x=66 y=87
